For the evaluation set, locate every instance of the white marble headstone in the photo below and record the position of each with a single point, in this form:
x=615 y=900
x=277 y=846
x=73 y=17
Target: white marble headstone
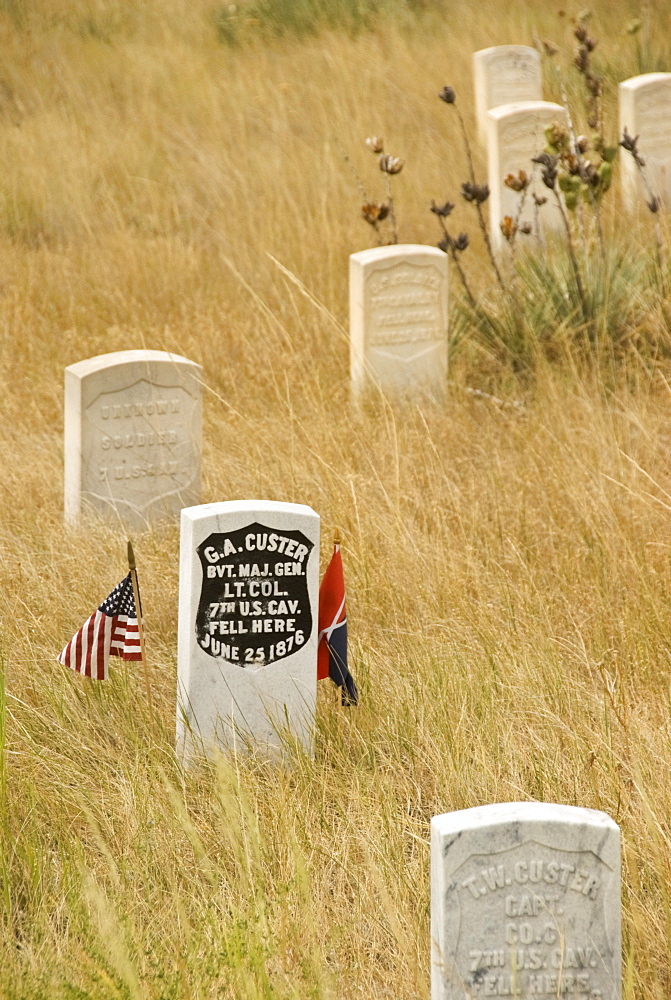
x=525 y=902
x=516 y=133
x=645 y=111
x=504 y=74
x=132 y=436
x=248 y=615
x=398 y=317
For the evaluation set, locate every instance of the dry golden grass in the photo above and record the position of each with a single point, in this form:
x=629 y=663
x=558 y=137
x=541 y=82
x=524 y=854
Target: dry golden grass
x=508 y=566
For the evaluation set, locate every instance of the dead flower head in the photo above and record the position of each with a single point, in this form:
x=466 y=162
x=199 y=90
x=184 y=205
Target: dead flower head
x=374 y=212
x=630 y=143
x=375 y=143
x=508 y=227
x=448 y=95
x=549 y=171
x=476 y=193
x=391 y=164
x=518 y=183
x=442 y=210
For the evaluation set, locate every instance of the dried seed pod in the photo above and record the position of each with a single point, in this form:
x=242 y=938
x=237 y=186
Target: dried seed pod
x=476 y=193
x=374 y=212
x=508 y=227
x=448 y=95
x=519 y=182
x=442 y=210
x=391 y=164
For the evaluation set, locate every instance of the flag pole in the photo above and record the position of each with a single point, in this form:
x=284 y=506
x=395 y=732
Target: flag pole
x=336 y=537
x=140 y=626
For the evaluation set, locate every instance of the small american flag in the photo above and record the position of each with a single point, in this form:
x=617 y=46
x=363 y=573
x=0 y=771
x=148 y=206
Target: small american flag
x=110 y=631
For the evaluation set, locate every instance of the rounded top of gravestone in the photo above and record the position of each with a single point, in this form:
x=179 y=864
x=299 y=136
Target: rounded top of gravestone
x=117 y=358
x=501 y=813
x=396 y=251
x=505 y=51
x=226 y=507
x=517 y=107
x=645 y=79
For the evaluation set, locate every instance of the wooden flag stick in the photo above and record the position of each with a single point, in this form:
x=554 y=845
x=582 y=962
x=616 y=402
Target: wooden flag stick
x=140 y=626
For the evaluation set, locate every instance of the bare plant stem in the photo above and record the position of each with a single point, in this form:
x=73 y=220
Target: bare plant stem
x=581 y=160
x=478 y=206
x=516 y=223
x=392 y=210
x=457 y=263
x=652 y=199
x=572 y=254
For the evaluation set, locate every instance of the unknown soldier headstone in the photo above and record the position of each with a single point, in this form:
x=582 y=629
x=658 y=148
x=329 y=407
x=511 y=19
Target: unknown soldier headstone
x=132 y=436
x=398 y=317
x=248 y=613
x=525 y=902
x=505 y=74
x=645 y=111
x=516 y=134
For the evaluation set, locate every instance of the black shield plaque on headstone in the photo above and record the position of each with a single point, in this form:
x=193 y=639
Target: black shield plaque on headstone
x=254 y=606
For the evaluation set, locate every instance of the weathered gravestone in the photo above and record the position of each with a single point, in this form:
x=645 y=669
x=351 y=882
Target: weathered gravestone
x=525 y=902
x=516 y=134
x=248 y=613
x=645 y=111
x=504 y=74
x=132 y=436
x=398 y=317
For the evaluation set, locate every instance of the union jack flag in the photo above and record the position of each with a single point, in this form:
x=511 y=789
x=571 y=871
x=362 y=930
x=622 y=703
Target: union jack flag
x=112 y=630
x=332 y=643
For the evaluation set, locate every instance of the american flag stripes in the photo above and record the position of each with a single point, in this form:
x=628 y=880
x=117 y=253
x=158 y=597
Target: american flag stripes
x=332 y=642
x=112 y=630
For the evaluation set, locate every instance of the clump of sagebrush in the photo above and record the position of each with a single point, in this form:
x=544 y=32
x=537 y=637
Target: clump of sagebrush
x=375 y=212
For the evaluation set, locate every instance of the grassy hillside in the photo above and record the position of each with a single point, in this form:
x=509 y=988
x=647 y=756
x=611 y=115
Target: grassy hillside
x=507 y=553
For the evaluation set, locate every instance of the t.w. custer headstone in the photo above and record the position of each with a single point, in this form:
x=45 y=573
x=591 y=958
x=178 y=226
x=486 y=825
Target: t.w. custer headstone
x=398 y=318
x=248 y=613
x=504 y=74
x=132 y=436
x=645 y=111
x=525 y=902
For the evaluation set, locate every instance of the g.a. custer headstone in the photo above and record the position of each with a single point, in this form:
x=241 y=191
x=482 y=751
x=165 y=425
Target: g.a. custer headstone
x=132 y=436
x=525 y=902
x=515 y=135
x=398 y=317
x=248 y=614
x=645 y=111
x=504 y=74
